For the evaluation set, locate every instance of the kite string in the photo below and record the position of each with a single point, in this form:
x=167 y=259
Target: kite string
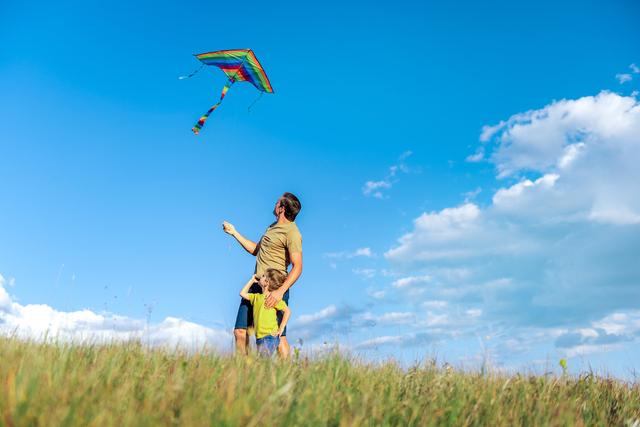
x=192 y=74
x=255 y=101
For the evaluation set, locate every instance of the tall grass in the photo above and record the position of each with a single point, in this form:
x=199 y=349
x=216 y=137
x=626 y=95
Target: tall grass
x=128 y=384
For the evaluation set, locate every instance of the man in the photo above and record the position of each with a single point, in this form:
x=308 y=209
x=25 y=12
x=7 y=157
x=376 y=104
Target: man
x=280 y=246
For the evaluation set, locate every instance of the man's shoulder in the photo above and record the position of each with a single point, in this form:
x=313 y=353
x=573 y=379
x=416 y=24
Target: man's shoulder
x=294 y=227
x=294 y=232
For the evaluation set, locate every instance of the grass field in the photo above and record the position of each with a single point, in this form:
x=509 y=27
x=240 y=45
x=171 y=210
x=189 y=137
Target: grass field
x=128 y=384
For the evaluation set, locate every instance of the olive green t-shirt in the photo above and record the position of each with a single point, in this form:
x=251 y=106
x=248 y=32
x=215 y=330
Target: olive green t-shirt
x=276 y=244
x=265 y=320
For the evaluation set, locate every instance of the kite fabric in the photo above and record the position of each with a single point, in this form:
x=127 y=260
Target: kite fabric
x=240 y=65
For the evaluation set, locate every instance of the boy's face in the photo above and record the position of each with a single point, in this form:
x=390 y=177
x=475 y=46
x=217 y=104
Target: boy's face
x=263 y=282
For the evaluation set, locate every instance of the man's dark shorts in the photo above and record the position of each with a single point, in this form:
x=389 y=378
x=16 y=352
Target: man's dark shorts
x=244 y=319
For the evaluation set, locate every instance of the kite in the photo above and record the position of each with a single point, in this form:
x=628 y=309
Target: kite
x=240 y=65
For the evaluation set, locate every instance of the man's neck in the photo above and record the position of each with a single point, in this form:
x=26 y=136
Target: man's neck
x=282 y=220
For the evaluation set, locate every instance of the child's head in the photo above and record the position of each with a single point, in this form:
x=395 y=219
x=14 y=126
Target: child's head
x=272 y=279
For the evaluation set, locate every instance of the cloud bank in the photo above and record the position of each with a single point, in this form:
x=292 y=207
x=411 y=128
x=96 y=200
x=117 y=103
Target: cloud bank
x=40 y=321
x=556 y=247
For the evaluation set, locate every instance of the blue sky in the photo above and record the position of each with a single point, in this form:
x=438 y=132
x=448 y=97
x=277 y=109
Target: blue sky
x=381 y=122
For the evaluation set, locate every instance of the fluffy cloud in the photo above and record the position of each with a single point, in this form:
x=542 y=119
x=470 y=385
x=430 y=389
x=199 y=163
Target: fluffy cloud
x=609 y=332
x=556 y=246
x=376 y=188
x=623 y=77
x=627 y=77
x=40 y=321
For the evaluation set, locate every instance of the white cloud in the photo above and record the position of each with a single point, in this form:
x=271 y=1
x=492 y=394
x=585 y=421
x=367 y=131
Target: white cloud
x=556 y=246
x=433 y=304
x=376 y=188
x=436 y=319
x=365 y=252
x=410 y=281
x=606 y=334
x=367 y=273
x=536 y=140
x=406 y=340
x=360 y=252
x=379 y=294
x=476 y=157
x=634 y=68
x=325 y=313
x=40 y=321
x=514 y=194
x=623 y=77
x=390 y=318
x=381 y=341
x=474 y=312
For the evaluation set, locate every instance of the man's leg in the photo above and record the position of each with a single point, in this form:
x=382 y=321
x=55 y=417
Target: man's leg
x=242 y=341
x=283 y=349
x=244 y=320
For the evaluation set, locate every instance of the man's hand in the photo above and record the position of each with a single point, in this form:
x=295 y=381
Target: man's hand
x=274 y=298
x=228 y=228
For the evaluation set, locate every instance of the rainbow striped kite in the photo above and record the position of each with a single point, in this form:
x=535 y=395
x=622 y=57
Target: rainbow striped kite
x=240 y=65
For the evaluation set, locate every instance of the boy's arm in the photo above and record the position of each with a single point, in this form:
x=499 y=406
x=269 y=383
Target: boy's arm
x=285 y=319
x=244 y=293
x=248 y=245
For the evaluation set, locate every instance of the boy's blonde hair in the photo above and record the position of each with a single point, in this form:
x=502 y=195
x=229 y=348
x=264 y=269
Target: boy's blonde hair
x=275 y=278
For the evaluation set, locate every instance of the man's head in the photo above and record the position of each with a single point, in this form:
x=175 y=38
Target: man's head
x=272 y=279
x=288 y=205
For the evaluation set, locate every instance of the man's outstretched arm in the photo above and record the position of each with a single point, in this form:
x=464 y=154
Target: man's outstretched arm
x=296 y=271
x=248 y=245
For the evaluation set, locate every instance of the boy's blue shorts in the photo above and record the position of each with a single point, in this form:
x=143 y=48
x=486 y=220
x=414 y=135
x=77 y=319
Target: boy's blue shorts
x=244 y=319
x=268 y=345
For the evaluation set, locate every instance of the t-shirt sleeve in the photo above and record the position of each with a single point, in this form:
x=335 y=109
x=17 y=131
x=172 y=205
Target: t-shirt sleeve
x=294 y=241
x=281 y=305
x=252 y=298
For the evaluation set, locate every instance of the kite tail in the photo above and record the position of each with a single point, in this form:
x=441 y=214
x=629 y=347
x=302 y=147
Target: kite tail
x=205 y=116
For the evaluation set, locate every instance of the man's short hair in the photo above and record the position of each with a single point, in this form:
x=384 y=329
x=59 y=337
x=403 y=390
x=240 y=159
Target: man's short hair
x=291 y=206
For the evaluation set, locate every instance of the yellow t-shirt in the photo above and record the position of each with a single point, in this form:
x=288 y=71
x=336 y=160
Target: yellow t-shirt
x=275 y=246
x=265 y=321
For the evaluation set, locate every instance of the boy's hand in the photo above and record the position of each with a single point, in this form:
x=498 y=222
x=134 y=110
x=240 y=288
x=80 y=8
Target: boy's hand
x=228 y=228
x=280 y=331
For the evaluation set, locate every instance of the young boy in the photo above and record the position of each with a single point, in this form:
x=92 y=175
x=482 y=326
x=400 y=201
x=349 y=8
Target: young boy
x=265 y=321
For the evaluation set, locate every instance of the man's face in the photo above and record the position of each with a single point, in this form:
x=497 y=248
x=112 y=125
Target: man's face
x=277 y=208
